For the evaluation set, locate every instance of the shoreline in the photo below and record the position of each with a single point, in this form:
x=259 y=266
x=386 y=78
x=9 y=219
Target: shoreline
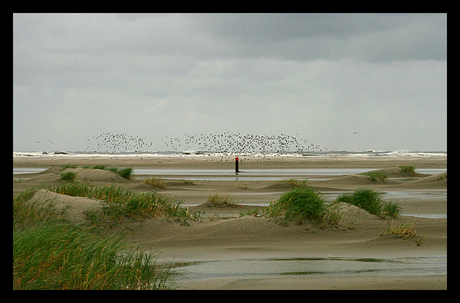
x=217 y=162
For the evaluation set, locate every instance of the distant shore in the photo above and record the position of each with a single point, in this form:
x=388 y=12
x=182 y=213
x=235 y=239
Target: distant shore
x=247 y=161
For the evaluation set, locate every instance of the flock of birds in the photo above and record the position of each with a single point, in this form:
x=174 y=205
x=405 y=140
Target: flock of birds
x=238 y=143
x=117 y=142
x=226 y=145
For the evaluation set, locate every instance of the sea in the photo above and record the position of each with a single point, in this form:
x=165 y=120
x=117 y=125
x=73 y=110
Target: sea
x=192 y=153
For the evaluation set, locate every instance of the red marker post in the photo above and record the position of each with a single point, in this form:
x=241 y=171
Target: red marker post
x=236 y=165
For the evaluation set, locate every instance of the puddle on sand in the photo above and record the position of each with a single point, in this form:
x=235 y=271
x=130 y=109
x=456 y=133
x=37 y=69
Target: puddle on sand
x=429 y=216
x=432 y=265
x=28 y=170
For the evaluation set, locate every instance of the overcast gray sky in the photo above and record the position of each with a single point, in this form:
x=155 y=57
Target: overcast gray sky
x=321 y=76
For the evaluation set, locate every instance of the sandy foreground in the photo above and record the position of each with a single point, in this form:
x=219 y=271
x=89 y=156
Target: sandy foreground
x=252 y=252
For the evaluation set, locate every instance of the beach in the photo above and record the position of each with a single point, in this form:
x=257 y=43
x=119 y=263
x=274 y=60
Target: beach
x=226 y=250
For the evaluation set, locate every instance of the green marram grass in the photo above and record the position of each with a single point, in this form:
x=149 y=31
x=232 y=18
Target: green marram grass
x=51 y=253
x=122 y=172
x=119 y=203
x=297 y=204
x=370 y=200
x=218 y=200
x=407 y=169
x=70 y=176
x=155 y=182
x=60 y=256
x=373 y=176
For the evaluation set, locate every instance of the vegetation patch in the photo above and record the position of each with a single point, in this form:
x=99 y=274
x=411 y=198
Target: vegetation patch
x=51 y=253
x=371 y=201
x=221 y=201
x=69 y=176
x=374 y=176
x=404 y=231
x=155 y=182
x=55 y=255
x=442 y=177
x=408 y=170
x=118 y=203
x=297 y=204
x=68 y=166
x=295 y=182
x=122 y=172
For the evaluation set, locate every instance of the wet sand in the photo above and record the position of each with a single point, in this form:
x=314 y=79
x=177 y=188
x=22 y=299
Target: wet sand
x=257 y=253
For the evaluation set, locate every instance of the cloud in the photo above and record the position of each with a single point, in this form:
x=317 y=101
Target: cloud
x=155 y=75
x=370 y=37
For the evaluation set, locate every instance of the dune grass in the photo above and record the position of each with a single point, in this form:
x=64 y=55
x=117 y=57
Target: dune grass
x=51 y=253
x=407 y=169
x=68 y=166
x=297 y=204
x=404 y=231
x=56 y=255
x=222 y=201
x=70 y=176
x=295 y=183
x=155 y=182
x=371 y=201
x=391 y=209
x=119 y=203
x=122 y=172
x=27 y=214
x=373 y=176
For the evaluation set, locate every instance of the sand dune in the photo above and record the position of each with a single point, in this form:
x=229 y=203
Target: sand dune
x=73 y=207
x=96 y=175
x=395 y=172
x=239 y=238
x=436 y=181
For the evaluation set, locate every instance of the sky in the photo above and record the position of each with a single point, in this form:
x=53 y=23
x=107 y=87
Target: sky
x=342 y=81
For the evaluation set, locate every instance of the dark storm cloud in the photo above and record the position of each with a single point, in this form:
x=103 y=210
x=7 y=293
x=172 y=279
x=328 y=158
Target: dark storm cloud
x=370 y=37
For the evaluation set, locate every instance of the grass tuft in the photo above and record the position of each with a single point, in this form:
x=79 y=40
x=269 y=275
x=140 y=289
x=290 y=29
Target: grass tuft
x=222 y=201
x=297 y=204
x=123 y=172
x=404 y=231
x=155 y=182
x=367 y=199
x=68 y=166
x=391 y=209
x=62 y=256
x=373 y=176
x=371 y=201
x=70 y=176
x=119 y=203
x=408 y=170
x=295 y=182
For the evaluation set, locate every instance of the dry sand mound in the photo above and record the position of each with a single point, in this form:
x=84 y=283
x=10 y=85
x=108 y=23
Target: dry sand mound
x=246 y=229
x=45 y=178
x=279 y=185
x=96 y=175
x=430 y=182
x=74 y=207
x=395 y=172
x=353 y=211
x=215 y=232
x=349 y=180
